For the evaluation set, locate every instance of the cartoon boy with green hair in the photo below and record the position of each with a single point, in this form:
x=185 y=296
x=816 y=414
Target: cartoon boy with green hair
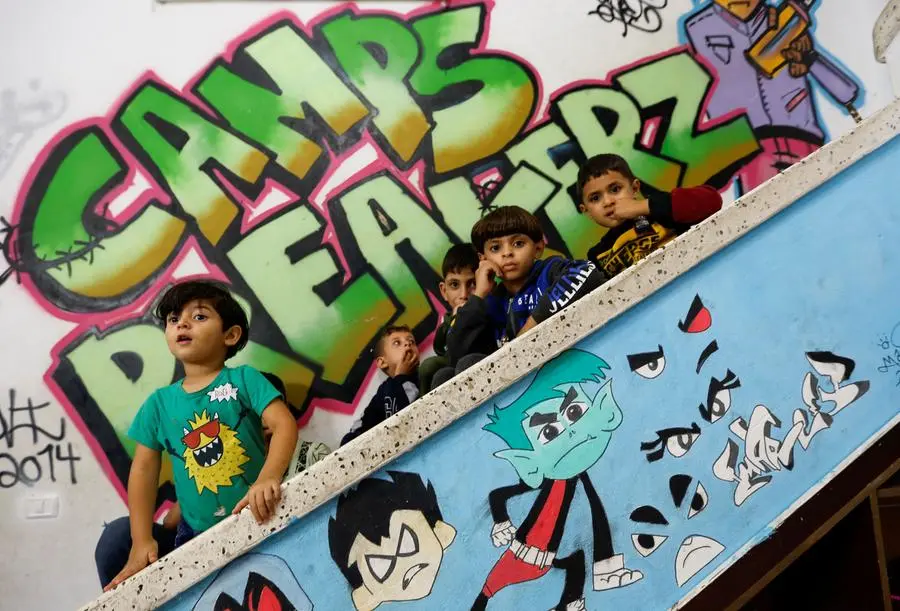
x=556 y=430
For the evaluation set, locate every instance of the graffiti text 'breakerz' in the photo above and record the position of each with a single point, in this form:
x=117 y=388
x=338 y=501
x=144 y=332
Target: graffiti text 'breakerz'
x=247 y=166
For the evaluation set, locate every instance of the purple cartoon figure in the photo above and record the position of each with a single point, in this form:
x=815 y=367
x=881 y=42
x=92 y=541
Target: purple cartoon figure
x=764 y=57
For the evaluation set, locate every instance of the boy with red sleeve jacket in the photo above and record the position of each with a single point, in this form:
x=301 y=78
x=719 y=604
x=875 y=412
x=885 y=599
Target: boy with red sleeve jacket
x=610 y=195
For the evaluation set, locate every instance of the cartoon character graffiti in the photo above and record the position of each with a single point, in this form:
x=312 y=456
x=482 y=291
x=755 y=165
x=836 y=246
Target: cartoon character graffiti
x=388 y=538
x=678 y=440
x=764 y=57
x=556 y=430
x=254 y=582
x=213 y=453
x=763 y=454
x=696 y=551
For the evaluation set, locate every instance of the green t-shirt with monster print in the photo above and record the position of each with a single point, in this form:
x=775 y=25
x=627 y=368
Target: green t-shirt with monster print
x=214 y=437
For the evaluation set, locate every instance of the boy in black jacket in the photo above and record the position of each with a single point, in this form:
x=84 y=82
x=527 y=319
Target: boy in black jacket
x=610 y=194
x=458 y=271
x=397 y=355
x=514 y=288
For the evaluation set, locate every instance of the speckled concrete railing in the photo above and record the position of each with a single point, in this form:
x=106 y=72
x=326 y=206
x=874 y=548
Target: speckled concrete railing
x=186 y=566
x=886 y=28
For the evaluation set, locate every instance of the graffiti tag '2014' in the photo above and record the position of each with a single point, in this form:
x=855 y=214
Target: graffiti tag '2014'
x=253 y=170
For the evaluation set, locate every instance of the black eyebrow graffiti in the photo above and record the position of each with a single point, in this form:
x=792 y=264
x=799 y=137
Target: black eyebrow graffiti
x=710 y=349
x=730 y=382
x=678 y=486
x=662 y=437
x=636 y=361
x=571 y=395
x=541 y=419
x=649 y=515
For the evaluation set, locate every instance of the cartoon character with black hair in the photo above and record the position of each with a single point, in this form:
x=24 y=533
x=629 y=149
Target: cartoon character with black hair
x=388 y=539
x=556 y=430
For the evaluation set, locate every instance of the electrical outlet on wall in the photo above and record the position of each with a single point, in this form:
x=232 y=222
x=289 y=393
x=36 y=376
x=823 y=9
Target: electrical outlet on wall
x=41 y=506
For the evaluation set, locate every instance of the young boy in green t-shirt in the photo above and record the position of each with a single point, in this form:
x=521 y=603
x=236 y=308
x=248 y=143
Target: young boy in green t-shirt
x=210 y=423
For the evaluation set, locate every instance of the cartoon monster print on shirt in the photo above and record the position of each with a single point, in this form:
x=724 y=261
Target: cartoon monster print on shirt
x=653 y=529
x=213 y=453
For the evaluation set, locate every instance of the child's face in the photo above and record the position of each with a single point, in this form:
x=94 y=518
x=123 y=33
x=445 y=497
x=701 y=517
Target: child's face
x=195 y=335
x=513 y=254
x=600 y=194
x=457 y=286
x=395 y=347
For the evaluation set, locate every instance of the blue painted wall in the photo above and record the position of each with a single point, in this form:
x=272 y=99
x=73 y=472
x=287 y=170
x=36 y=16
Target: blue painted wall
x=820 y=277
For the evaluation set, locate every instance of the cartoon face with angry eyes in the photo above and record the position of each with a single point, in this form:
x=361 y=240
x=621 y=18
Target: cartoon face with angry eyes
x=652 y=529
x=678 y=440
x=389 y=538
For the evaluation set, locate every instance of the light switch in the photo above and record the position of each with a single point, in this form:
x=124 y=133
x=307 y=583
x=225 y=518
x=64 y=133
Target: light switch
x=41 y=506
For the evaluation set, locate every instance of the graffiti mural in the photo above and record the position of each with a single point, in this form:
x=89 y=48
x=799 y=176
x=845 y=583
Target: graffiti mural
x=254 y=582
x=388 y=538
x=23 y=112
x=768 y=62
x=323 y=167
x=558 y=429
x=568 y=490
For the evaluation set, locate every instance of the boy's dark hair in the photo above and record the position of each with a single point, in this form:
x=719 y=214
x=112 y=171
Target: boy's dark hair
x=458 y=258
x=214 y=293
x=367 y=511
x=598 y=165
x=505 y=221
x=378 y=349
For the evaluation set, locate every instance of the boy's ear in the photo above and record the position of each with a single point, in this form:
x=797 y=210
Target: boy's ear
x=380 y=363
x=481 y=256
x=540 y=248
x=524 y=464
x=636 y=185
x=443 y=290
x=233 y=335
x=582 y=208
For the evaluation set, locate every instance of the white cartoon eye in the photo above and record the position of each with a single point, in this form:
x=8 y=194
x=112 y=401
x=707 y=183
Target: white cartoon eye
x=574 y=412
x=648 y=365
x=653 y=369
x=409 y=543
x=699 y=501
x=647 y=544
x=718 y=400
x=720 y=404
x=381 y=567
x=678 y=445
x=550 y=432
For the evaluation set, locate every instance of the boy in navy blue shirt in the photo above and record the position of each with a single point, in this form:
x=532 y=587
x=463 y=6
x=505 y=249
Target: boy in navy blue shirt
x=514 y=288
x=397 y=355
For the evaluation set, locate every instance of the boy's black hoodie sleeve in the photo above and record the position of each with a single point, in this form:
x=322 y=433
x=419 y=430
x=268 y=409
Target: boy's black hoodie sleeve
x=440 y=335
x=570 y=280
x=472 y=332
x=389 y=399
